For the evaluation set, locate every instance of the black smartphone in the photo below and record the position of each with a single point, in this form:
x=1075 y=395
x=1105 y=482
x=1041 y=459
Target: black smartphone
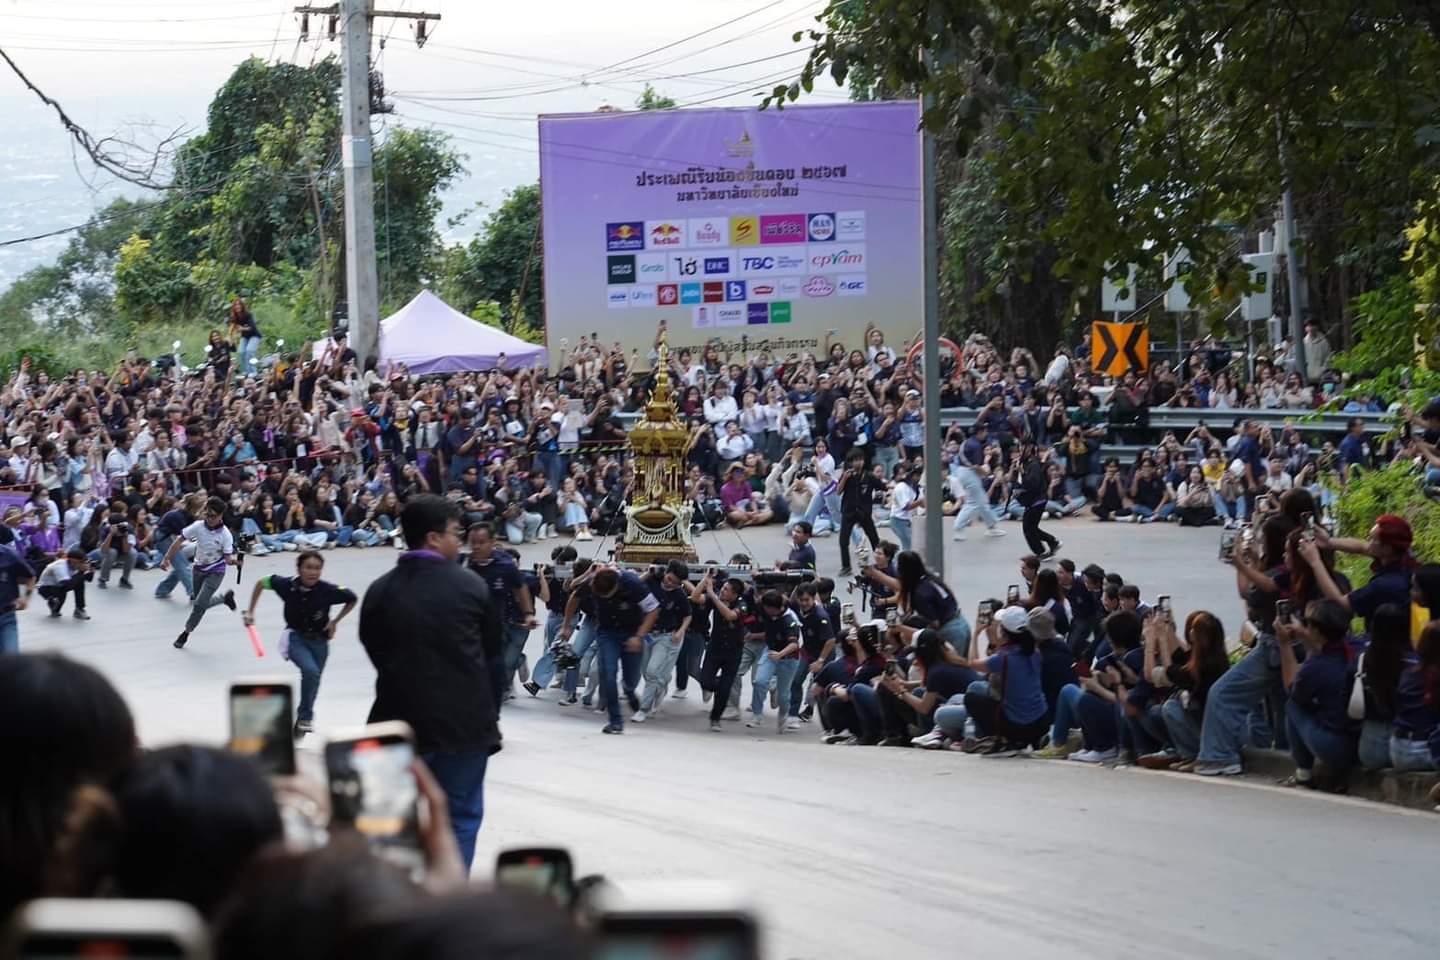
x=1227 y=545
x=983 y=618
x=1012 y=594
x=373 y=790
x=261 y=723
x=1162 y=605
x=543 y=870
x=55 y=929
x=1284 y=610
x=678 y=936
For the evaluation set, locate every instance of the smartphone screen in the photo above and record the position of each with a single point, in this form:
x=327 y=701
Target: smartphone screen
x=1012 y=594
x=260 y=724
x=546 y=871
x=677 y=937
x=373 y=790
x=847 y=614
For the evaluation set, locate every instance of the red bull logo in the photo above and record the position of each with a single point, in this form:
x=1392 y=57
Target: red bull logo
x=666 y=234
x=625 y=235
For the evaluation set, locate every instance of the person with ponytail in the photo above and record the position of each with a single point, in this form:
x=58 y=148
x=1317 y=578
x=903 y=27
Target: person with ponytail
x=1415 y=739
x=1321 y=731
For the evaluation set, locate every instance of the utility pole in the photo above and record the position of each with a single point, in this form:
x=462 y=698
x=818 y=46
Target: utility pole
x=1292 y=255
x=362 y=285
x=934 y=471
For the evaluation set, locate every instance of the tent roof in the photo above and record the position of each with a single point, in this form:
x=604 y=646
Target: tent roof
x=430 y=336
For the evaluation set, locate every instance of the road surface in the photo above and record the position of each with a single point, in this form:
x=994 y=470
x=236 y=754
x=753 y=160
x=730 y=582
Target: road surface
x=869 y=852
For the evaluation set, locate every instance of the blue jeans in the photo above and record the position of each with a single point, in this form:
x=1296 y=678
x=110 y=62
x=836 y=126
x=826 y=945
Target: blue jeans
x=660 y=655
x=584 y=637
x=1225 y=510
x=1145 y=732
x=1309 y=741
x=1374 y=748
x=504 y=672
x=179 y=573
x=976 y=501
x=1407 y=755
x=866 y=703
x=461 y=774
x=1144 y=512
x=1066 y=716
x=1183 y=726
x=249 y=347
x=1099 y=721
x=309 y=653
x=9 y=632
x=614 y=658
x=901 y=529
x=544 y=670
x=1235 y=696
x=750 y=656
x=950 y=717
x=887 y=456
x=956 y=632
x=779 y=672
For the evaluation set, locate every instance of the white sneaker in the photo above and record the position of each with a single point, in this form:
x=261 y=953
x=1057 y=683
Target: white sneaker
x=639 y=716
x=960 y=535
x=681 y=695
x=994 y=532
x=792 y=723
x=733 y=713
x=934 y=740
x=1095 y=756
x=755 y=720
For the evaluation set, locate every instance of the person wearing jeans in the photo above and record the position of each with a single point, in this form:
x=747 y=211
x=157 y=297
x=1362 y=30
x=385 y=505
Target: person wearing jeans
x=662 y=647
x=214 y=548
x=167 y=531
x=1317 y=712
x=817 y=637
x=512 y=595
x=777 y=630
x=976 y=501
x=307 y=601
x=625 y=613
x=17 y=583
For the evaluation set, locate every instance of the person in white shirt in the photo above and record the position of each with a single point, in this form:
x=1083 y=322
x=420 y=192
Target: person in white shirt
x=65 y=576
x=903 y=500
x=1059 y=366
x=826 y=482
x=20 y=457
x=214 y=547
x=720 y=405
x=119 y=462
x=81 y=507
x=735 y=444
x=1277 y=481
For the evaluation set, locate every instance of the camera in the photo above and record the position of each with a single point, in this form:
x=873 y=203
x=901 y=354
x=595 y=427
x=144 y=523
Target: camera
x=872 y=631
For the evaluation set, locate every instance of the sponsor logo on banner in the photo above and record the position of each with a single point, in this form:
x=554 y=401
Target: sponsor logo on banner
x=752 y=264
x=704 y=317
x=626 y=235
x=821 y=227
x=717 y=266
x=650 y=267
x=783 y=228
x=621 y=269
x=847 y=259
x=690 y=293
x=757 y=313
x=684 y=266
x=850 y=225
x=668 y=294
x=714 y=292
x=734 y=289
x=665 y=233
x=745 y=231
x=709 y=232
x=818 y=287
x=851 y=286
x=762 y=290
x=617 y=299
x=756 y=263
x=730 y=316
x=780 y=312
x=787 y=287
x=642 y=296
x=790 y=261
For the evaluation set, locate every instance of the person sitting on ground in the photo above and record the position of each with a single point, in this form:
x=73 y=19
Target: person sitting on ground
x=1323 y=738
x=1107 y=688
x=1010 y=715
x=903 y=703
x=1377 y=677
x=1187 y=668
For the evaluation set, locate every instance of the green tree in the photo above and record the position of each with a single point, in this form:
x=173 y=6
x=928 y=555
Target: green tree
x=412 y=170
x=502 y=265
x=1118 y=130
x=650 y=99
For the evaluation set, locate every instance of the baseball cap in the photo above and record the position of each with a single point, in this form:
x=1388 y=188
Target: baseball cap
x=1014 y=619
x=1042 y=624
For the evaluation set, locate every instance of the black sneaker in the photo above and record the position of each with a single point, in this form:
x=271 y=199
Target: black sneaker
x=1000 y=748
x=845 y=572
x=126 y=584
x=303 y=727
x=103 y=585
x=807 y=713
x=895 y=742
x=633 y=700
x=180 y=641
x=531 y=687
x=570 y=701
x=229 y=599
x=611 y=728
x=54 y=607
x=78 y=615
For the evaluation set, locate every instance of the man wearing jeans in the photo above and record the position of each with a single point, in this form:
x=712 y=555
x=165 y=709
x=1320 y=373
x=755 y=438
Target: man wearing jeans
x=778 y=628
x=170 y=528
x=17 y=583
x=976 y=500
x=426 y=626
x=307 y=600
x=625 y=614
x=510 y=593
x=214 y=546
x=662 y=648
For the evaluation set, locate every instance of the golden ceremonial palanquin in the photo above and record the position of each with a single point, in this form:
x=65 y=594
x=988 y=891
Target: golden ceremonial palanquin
x=657 y=518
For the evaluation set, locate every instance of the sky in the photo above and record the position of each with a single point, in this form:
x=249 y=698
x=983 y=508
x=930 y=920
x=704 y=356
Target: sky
x=143 y=68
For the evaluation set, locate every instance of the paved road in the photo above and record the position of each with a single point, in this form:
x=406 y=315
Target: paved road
x=867 y=852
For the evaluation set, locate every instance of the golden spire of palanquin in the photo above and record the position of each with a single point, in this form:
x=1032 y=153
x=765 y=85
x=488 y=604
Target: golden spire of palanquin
x=661 y=407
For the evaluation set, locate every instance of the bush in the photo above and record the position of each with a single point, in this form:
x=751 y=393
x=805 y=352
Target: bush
x=1372 y=493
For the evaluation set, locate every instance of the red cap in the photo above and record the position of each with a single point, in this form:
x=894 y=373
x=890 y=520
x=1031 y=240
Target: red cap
x=357 y=411
x=1394 y=531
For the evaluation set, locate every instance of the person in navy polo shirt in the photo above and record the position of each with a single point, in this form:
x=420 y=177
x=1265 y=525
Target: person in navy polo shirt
x=1389 y=547
x=817 y=642
x=802 y=554
x=625 y=614
x=17 y=584
x=508 y=588
x=1320 y=727
x=779 y=628
x=662 y=648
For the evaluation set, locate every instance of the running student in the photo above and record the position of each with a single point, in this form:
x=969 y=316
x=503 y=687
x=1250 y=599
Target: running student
x=214 y=547
x=625 y=614
x=310 y=628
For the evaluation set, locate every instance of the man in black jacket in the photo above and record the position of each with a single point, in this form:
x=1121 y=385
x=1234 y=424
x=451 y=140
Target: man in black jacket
x=1032 y=498
x=426 y=625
